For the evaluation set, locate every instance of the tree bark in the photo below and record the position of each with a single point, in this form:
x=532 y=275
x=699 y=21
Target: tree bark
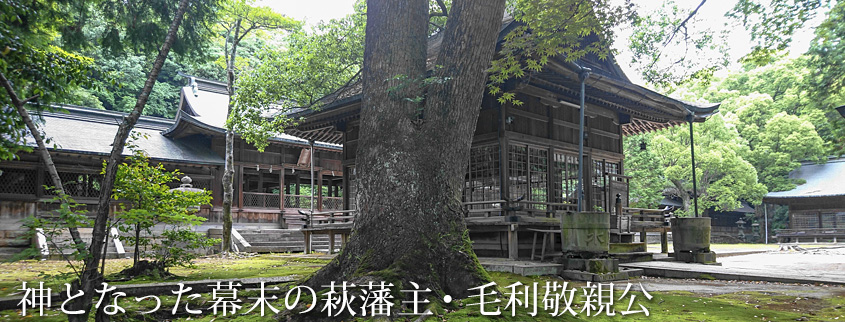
x=91 y=277
x=413 y=157
x=20 y=106
x=229 y=167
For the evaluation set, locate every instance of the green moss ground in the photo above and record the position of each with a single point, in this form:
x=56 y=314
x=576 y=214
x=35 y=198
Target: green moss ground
x=664 y=306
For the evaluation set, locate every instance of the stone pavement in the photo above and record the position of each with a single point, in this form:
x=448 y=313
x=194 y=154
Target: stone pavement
x=823 y=265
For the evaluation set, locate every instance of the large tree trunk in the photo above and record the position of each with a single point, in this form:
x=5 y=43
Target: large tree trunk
x=20 y=106
x=412 y=157
x=229 y=167
x=91 y=277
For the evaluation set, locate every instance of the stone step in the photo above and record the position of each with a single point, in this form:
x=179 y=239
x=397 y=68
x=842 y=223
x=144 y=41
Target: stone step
x=633 y=257
x=278 y=243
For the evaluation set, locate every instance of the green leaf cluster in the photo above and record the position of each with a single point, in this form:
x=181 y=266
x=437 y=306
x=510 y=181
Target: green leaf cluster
x=311 y=65
x=566 y=29
x=146 y=201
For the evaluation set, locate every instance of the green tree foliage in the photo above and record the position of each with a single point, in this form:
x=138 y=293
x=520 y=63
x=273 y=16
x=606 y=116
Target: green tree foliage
x=724 y=177
x=700 y=50
x=147 y=201
x=239 y=20
x=552 y=28
x=826 y=54
x=785 y=140
x=68 y=214
x=775 y=114
x=33 y=68
x=646 y=187
x=772 y=23
x=313 y=64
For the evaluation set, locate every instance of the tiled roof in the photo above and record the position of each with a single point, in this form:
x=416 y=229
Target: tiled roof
x=90 y=131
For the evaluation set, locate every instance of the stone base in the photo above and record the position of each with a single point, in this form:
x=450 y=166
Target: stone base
x=593 y=265
x=697 y=257
x=592 y=277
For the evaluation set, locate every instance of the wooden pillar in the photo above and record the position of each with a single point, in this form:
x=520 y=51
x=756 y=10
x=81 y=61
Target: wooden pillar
x=644 y=237
x=217 y=186
x=241 y=187
x=345 y=183
x=664 y=241
x=282 y=188
x=40 y=180
x=513 y=241
x=307 y=241
x=319 y=190
x=297 y=185
x=331 y=242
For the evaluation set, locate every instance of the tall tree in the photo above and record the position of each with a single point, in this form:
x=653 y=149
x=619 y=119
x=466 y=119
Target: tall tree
x=417 y=121
x=725 y=178
x=413 y=152
x=34 y=74
x=239 y=21
x=91 y=277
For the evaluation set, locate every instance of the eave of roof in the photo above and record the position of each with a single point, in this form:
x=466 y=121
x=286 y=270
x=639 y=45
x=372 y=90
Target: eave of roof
x=184 y=119
x=609 y=74
x=90 y=132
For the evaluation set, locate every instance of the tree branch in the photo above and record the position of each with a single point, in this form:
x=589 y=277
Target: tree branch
x=31 y=98
x=675 y=32
x=436 y=25
x=443 y=12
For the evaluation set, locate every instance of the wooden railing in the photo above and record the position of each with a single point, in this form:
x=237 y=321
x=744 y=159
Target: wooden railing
x=498 y=207
x=332 y=203
x=298 y=201
x=326 y=219
x=272 y=201
x=261 y=200
x=642 y=214
x=811 y=232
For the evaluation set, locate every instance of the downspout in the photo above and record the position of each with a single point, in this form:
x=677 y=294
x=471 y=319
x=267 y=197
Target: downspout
x=766 y=221
x=692 y=155
x=502 y=175
x=583 y=74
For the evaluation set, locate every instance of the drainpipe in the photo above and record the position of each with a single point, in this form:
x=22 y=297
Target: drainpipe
x=692 y=154
x=766 y=220
x=584 y=73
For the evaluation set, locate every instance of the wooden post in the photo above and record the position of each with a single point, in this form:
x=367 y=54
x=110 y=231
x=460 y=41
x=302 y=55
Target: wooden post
x=241 y=187
x=619 y=213
x=298 y=202
x=40 y=178
x=319 y=190
x=282 y=188
x=331 y=242
x=307 y=241
x=664 y=241
x=513 y=241
x=644 y=237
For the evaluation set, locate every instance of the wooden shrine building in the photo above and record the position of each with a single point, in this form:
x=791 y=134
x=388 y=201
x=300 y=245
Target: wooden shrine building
x=816 y=207
x=530 y=153
x=270 y=186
